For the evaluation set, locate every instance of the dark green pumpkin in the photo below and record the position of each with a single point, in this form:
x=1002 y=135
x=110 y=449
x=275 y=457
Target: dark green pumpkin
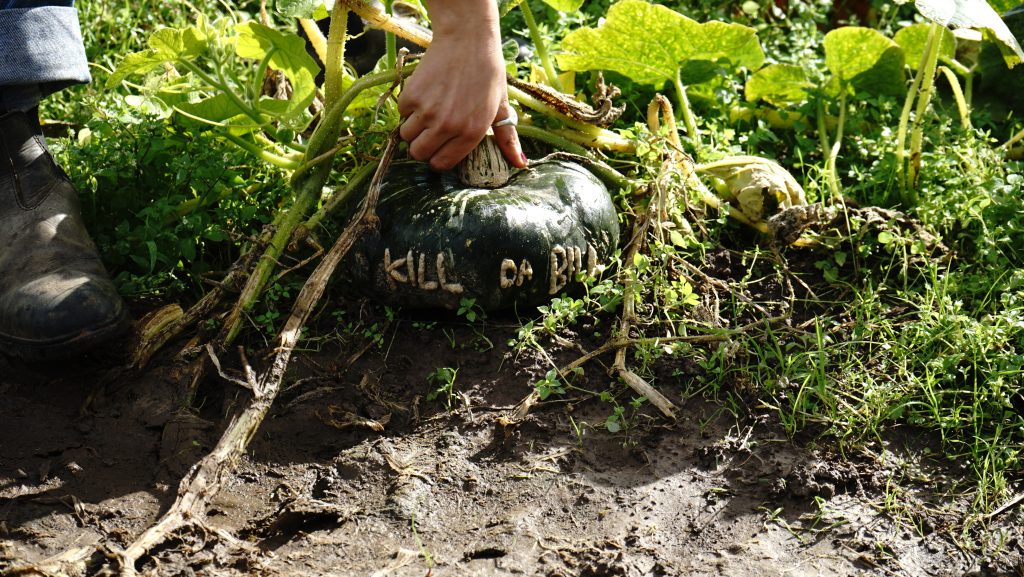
x=440 y=242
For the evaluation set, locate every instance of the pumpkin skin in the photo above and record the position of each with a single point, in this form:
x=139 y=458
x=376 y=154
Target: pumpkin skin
x=519 y=245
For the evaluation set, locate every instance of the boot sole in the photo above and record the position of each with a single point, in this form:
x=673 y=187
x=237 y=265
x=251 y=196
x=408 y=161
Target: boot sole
x=68 y=346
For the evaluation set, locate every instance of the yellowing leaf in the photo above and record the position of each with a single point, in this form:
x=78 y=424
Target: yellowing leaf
x=757 y=185
x=778 y=84
x=565 y=5
x=914 y=38
x=651 y=44
x=864 y=59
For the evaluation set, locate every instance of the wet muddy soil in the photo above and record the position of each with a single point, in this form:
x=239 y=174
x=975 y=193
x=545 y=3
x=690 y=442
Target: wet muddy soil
x=356 y=472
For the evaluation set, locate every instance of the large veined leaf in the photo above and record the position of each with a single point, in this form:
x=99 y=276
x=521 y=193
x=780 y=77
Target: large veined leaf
x=976 y=15
x=914 y=38
x=651 y=44
x=778 y=85
x=219 y=108
x=165 y=45
x=865 y=60
x=315 y=9
x=287 y=54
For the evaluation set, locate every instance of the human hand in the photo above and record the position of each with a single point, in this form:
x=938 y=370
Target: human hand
x=458 y=89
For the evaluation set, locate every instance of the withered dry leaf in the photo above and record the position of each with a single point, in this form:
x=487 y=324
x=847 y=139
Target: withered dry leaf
x=756 y=186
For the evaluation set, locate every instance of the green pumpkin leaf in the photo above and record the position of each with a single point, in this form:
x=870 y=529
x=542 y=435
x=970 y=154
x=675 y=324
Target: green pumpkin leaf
x=914 y=38
x=301 y=8
x=650 y=43
x=165 y=45
x=976 y=15
x=175 y=43
x=218 y=108
x=506 y=6
x=864 y=59
x=287 y=54
x=1003 y=6
x=778 y=85
x=565 y=5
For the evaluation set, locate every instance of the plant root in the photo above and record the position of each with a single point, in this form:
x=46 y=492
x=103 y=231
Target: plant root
x=66 y=563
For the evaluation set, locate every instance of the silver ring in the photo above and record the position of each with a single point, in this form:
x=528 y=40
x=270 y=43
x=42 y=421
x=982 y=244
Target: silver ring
x=512 y=120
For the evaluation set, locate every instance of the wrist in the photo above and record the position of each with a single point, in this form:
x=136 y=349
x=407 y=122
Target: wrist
x=467 y=19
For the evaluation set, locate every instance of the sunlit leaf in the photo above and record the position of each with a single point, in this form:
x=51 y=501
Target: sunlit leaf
x=650 y=44
x=778 y=84
x=219 y=108
x=301 y=8
x=974 y=14
x=565 y=5
x=506 y=6
x=864 y=59
x=914 y=38
x=287 y=54
x=165 y=45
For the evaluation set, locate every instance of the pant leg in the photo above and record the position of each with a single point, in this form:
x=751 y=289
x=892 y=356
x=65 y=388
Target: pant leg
x=41 y=50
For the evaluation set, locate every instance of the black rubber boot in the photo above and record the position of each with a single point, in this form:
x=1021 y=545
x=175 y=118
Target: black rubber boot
x=56 y=299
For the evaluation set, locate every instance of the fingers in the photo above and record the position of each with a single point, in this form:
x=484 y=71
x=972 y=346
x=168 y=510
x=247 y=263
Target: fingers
x=442 y=149
x=444 y=145
x=507 y=137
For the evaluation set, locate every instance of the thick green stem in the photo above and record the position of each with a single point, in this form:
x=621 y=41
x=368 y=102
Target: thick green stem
x=958 y=95
x=608 y=141
x=1013 y=140
x=594 y=135
x=308 y=185
x=261 y=153
x=390 y=43
x=823 y=138
x=923 y=100
x=602 y=170
x=540 y=45
x=558 y=141
x=335 y=65
x=235 y=98
x=830 y=164
x=341 y=195
x=687 y=112
x=932 y=45
x=307 y=192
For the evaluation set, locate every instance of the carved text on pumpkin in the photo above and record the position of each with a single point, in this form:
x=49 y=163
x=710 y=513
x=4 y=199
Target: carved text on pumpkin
x=415 y=269
x=566 y=263
x=513 y=275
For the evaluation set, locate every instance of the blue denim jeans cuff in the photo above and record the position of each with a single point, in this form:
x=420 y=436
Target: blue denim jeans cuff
x=41 y=46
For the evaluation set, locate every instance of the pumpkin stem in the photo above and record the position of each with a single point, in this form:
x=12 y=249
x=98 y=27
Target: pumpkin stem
x=485 y=166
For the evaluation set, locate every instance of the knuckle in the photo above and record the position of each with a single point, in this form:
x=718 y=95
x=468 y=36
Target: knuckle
x=442 y=163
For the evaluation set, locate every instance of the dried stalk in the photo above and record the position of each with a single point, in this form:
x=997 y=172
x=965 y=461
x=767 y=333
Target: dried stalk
x=206 y=478
x=628 y=318
x=683 y=160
